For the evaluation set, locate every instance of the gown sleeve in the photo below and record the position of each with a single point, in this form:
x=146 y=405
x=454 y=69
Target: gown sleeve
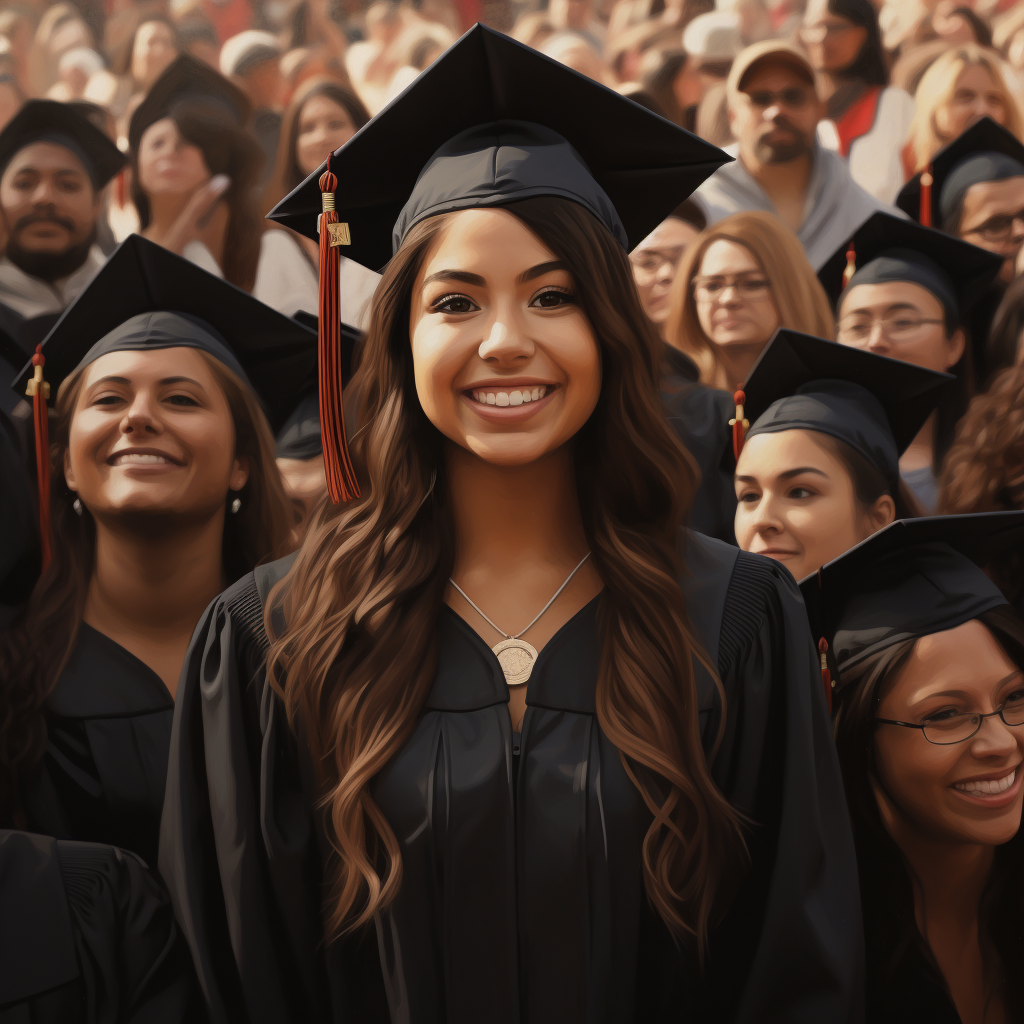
x=796 y=920
x=88 y=937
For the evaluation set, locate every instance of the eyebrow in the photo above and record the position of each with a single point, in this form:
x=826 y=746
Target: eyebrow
x=962 y=693
x=894 y=308
x=466 y=277
x=164 y=380
x=788 y=475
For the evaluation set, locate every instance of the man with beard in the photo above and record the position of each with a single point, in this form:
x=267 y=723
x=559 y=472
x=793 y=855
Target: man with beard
x=54 y=165
x=774 y=110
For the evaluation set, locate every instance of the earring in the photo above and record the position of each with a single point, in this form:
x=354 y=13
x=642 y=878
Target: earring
x=77 y=506
x=236 y=505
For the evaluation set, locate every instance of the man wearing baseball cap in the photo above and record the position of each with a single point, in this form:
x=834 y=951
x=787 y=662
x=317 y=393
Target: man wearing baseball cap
x=780 y=168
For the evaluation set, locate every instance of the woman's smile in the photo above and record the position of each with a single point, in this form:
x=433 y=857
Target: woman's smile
x=996 y=789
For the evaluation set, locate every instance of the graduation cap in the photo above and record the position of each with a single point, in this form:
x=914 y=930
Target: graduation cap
x=886 y=248
x=984 y=152
x=62 y=125
x=188 y=82
x=912 y=578
x=147 y=298
x=490 y=122
x=874 y=404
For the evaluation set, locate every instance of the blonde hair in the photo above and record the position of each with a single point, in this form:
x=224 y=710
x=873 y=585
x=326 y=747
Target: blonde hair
x=936 y=89
x=799 y=298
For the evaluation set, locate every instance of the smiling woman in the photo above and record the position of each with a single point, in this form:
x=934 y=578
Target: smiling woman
x=158 y=433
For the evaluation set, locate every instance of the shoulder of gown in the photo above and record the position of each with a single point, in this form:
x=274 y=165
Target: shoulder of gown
x=796 y=919
x=87 y=935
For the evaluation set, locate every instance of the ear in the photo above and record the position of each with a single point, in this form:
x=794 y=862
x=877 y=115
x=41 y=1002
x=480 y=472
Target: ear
x=955 y=348
x=69 y=475
x=239 y=474
x=882 y=513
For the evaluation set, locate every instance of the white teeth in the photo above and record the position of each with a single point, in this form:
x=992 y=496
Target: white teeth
x=135 y=459
x=507 y=398
x=986 y=787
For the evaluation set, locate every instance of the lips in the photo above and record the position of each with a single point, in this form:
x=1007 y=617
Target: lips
x=142 y=457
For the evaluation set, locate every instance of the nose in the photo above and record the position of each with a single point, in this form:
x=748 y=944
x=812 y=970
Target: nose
x=666 y=271
x=763 y=519
x=877 y=341
x=996 y=739
x=505 y=343
x=140 y=417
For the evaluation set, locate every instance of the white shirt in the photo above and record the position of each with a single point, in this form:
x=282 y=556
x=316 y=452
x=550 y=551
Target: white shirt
x=31 y=297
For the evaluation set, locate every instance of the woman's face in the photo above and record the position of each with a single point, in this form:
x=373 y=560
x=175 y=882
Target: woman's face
x=655 y=261
x=832 y=42
x=168 y=164
x=974 y=96
x=967 y=792
x=324 y=126
x=152 y=433
x=797 y=503
x=900 y=320
x=155 y=48
x=734 y=297
x=506 y=362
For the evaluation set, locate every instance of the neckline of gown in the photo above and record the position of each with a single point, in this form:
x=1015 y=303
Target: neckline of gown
x=127 y=685
x=469 y=676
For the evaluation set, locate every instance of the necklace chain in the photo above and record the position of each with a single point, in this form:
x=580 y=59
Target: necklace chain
x=509 y=636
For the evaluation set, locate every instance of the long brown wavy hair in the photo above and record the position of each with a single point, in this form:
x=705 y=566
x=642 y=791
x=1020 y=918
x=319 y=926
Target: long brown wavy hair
x=799 y=299
x=358 y=657
x=35 y=650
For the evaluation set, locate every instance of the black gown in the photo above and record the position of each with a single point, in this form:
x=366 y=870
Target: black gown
x=87 y=936
x=108 y=725
x=522 y=896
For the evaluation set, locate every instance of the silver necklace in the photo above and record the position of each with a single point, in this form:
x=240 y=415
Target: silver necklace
x=516 y=656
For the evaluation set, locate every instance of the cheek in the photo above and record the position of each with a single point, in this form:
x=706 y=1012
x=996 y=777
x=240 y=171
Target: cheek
x=914 y=773
x=438 y=353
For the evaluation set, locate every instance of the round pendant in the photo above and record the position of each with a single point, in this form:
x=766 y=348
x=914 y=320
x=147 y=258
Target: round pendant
x=516 y=658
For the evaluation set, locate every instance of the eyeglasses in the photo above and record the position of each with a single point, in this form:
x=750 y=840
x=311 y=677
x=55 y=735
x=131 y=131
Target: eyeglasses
x=895 y=328
x=793 y=97
x=650 y=261
x=711 y=289
x=955 y=727
x=998 y=228
x=822 y=31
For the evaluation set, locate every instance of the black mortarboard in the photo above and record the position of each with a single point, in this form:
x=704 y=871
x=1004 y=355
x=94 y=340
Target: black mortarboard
x=874 y=404
x=984 y=152
x=886 y=248
x=491 y=122
x=913 y=578
x=188 y=82
x=145 y=297
x=61 y=124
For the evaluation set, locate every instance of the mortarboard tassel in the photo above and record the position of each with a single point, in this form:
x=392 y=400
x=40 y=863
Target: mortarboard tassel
x=925 y=211
x=39 y=391
x=739 y=424
x=826 y=676
x=341 y=477
x=851 y=263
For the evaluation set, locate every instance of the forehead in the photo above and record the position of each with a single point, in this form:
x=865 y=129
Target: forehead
x=491 y=243
x=1006 y=196
x=45 y=156
x=144 y=366
x=817 y=10
x=723 y=256
x=773 y=73
x=669 y=232
x=768 y=455
x=320 y=105
x=977 y=76
x=150 y=29
x=876 y=298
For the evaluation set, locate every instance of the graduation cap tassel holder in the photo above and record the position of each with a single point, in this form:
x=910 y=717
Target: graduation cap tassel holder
x=851 y=264
x=39 y=391
x=341 y=477
x=924 y=217
x=738 y=423
x=826 y=675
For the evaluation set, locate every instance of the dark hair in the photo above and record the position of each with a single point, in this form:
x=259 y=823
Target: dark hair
x=690 y=213
x=358 y=657
x=121 y=64
x=869 y=484
x=890 y=927
x=871 y=65
x=980 y=28
x=658 y=71
x=35 y=650
x=287 y=173
x=229 y=149
x=1003 y=347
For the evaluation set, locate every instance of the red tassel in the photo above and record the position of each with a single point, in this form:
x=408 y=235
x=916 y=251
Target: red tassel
x=925 y=211
x=39 y=391
x=739 y=424
x=826 y=676
x=341 y=477
x=851 y=264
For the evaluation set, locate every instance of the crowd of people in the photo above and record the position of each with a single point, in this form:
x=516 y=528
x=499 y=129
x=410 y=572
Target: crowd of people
x=339 y=340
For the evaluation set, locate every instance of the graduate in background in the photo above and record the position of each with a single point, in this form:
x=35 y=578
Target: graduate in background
x=436 y=828
x=163 y=489
x=819 y=468
x=909 y=295
x=926 y=657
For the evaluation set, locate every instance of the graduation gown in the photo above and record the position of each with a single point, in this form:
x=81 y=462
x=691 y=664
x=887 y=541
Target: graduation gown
x=108 y=724
x=87 y=936
x=522 y=896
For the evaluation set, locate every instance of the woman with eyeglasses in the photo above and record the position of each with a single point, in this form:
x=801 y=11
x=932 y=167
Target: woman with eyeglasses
x=928 y=696
x=725 y=304
x=902 y=291
x=868 y=119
